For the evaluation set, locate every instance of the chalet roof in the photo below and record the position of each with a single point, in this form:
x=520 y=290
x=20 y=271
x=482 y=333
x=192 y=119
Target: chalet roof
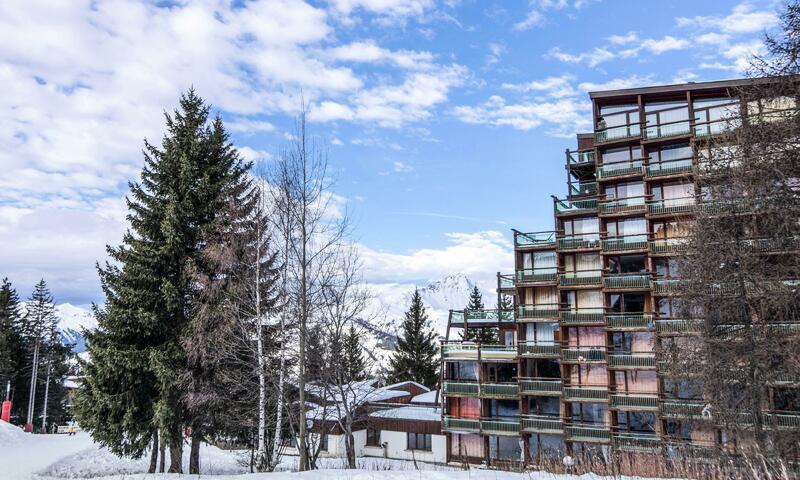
x=427 y=397
x=428 y=414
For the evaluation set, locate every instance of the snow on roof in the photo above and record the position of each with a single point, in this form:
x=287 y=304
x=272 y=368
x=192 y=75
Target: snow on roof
x=356 y=393
x=410 y=413
x=427 y=397
x=407 y=382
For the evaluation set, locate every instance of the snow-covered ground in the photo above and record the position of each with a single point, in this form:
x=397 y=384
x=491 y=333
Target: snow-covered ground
x=53 y=457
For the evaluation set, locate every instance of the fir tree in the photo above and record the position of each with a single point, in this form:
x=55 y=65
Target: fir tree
x=12 y=352
x=487 y=335
x=136 y=353
x=355 y=365
x=415 y=358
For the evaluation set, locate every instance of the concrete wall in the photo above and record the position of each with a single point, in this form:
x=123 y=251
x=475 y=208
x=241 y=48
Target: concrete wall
x=396 y=448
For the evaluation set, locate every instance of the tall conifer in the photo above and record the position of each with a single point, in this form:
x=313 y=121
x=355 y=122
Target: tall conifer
x=415 y=358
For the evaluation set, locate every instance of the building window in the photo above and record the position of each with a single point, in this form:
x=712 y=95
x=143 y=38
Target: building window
x=323 y=442
x=373 y=437
x=418 y=441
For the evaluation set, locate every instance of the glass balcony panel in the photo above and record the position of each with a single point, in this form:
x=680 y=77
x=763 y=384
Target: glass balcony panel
x=582 y=189
x=671 y=206
x=583 y=316
x=678 y=326
x=575 y=242
x=580 y=158
x=621 y=169
x=584 y=354
x=542 y=424
x=631 y=361
x=625 y=242
x=637 y=442
x=618 y=133
x=467 y=389
x=537 y=275
x=499 y=390
x=629 y=321
x=585 y=393
x=539 y=349
x=541 y=311
x=540 y=386
x=667 y=130
x=668 y=245
x=500 y=426
x=505 y=282
x=581 y=278
x=458 y=350
x=633 y=401
x=669 y=167
x=623 y=205
x=575 y=206
x=587 y=433
x=534 y=239
x=453 y=424
x=626 y=281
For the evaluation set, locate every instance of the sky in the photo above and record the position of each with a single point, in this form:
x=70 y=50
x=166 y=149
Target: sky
x=445 y=121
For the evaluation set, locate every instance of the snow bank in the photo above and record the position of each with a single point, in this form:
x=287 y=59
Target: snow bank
x=12 y=435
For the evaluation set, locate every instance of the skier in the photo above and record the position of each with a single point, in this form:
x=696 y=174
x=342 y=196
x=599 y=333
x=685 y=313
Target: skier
x=71 y=429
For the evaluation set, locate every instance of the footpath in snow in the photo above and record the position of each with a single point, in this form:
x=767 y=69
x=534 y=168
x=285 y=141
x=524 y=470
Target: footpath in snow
x=24 y=456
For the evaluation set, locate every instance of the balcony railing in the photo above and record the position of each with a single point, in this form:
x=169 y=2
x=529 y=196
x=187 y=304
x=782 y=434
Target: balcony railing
x=576 y=242
x=665 y=286
x=500 y=426
x=634 y=401
x=668 y=245
x=498 y=352
x=637 y=442
x=629 y=321
x=617 y=133
x=582 y=189
x=677 y=408
x=671 y=206
x=583 y=316
x=678 y=326
x=587 y=433
x=506 y=281
x=782 y=420
x=488 y=315
x=575 y=393
x=632 y=361
x=581 y=278
x=626 y=281
x=542 y=424
x=471 y=351
x=540 y=386
x=580 y=158
x=716 y=127
x=452 y=424
x=534 y=239
x=537 y=275
x=618 y=206
x=621 y=169
x=664 y=130
x=564 y=206
x=499 y=390
x=669 y=167
x=539 y=349
x=584 y=354
x=465 y=389
x=547 y=312
x=626 y=242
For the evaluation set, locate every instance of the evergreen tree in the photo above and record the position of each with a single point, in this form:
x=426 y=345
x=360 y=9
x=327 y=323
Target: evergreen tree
x=136 y=352
x=486 y=335
x=415 y=358
x=12 y=352
x=355 y=365
x=317 y=355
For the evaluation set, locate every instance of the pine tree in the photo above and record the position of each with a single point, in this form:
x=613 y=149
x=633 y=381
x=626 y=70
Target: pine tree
x=415 y=358
x=486 y=335
x=12 y=352
x=136 y=352
x=355 y=365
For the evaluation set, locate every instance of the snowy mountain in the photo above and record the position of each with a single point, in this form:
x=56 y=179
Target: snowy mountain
x=73 y=319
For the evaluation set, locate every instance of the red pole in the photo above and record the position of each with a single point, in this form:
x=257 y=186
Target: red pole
x=5 y=413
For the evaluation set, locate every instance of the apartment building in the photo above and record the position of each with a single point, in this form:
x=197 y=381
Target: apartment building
x=575 y=370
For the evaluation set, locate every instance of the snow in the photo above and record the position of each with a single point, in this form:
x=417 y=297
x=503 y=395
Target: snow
x=397 y=385
x=410 y=413
x=11 y=434
x=427 y=397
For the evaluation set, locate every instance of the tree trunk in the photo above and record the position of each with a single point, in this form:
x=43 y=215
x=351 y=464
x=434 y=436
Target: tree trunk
x=261 y=456
x=194 y=455
x=46 y=395
x=351 y=449
x=163 y=455
x=154 y=454
x=279 y=407
x=176 y=456
x=32 y=392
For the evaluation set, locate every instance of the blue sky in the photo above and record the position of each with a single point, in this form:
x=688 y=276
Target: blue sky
x=446 y=121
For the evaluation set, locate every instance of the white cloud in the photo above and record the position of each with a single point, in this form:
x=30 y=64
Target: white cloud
x=555 y=86
x=370 y=52
x=533 y=19
x=593 y=58
x=496 y=50
x=388 y=11
x=252 y=155
x=629 y=37
x=744 y=18
x=566 y=116
x=239 y=125
x=617 y=83
x=400 y=167
x=665 y=44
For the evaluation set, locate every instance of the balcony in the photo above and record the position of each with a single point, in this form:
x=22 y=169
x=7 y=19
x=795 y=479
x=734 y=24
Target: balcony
x=460 y=389
x=537 y=275
x=629 y=321
x=461 y=425
x=632 y=361
x=665 y=286
x=499 y=390
x=582 y=316
x=782 y=420
x=547 y=387
x=668 y=246
x=626 y=281
x=544 y=312
x=716 y=127
x=622 y=132
x=623 y=206
x=625 y=243
x=637 y=442
x=576 y=158
x=634 y=167
x=670 y=326
x=587 y=433
x=500 y=426
x=582 y=189
x=472 y=351
x=634 y=401
x=463 y=318
x=678 y=408
x=542 y=424
x=585 y=393
x=506 y=283
x=534 y=239
x=681 y=166
x=579 y=242
x=580 y=206
x=584 y=278
x=539 y=349
x=666 y=130
x=583 y=354
x=671 y=206
x=501 y=353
